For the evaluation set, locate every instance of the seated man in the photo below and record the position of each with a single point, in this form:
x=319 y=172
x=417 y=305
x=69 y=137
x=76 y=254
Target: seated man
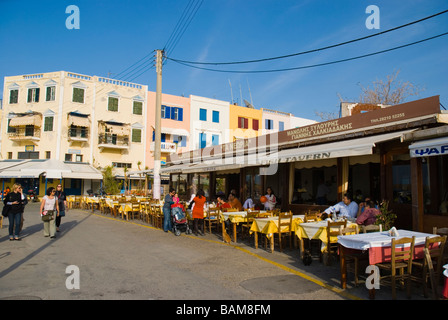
x=347 y=208
x=368 y=216
x=235 y=203
x=249 y=203
x=222 y=203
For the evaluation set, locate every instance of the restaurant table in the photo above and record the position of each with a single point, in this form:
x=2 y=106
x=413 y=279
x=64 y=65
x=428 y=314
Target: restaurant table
x=378 y=245
x=269 y=226
x=315 y=230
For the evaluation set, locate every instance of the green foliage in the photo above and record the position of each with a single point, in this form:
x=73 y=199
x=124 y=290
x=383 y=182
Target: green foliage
x=386 y=218
x=110 y=184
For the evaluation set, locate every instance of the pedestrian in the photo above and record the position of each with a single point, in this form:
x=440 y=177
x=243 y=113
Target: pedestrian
x=62 y=202
x=49 y=207
x=198 y=212
x=167 y=210
x=16 y=202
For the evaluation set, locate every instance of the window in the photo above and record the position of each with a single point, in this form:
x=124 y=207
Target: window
x=33 y=94
x=137 y=108
x=173 y=113
x=48 y=123
x=78 y=95
x=180 y=140
x=112 y=104
x=122 y=165
x=215 y=116
x=136 y=135
x=78 y=158
x=13 y=96
x=11 y=129
x=269 y=124
x=202 y=140
x=215 y=139
x=51 y=93
x=68 y=157
x=243 y=123
x=255 y=124
x=281 y=126
x=203 y=114
x=29 y=131
x=47 y=154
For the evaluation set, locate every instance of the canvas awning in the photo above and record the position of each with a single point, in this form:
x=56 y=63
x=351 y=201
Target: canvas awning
x=25 y=120
x=428 y=148
x=78 y=120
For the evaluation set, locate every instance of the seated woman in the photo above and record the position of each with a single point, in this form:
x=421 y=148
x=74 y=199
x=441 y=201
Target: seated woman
x=222 y=203
x=368 y=216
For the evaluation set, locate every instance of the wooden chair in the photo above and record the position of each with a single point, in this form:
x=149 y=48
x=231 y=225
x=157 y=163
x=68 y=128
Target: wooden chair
x=246 y=225
x=135 y=206
x=144 y=211
x=401 y=259
x=353 y=257
x=77 y=202
x=372 y=228
x=311 y=216
x=426 y=267
x=157 y=216
x=333 y=230
x=1 y=222
x=284 y=227
x=212 y=218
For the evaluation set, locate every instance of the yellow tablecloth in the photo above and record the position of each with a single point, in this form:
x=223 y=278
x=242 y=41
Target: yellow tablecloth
x=269 y=225
x=316 y=230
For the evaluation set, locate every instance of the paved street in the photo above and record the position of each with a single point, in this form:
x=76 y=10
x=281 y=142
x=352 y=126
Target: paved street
x=127 y=260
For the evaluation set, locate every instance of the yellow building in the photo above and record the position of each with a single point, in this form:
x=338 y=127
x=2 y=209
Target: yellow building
x=74 y=118
x=244 y=122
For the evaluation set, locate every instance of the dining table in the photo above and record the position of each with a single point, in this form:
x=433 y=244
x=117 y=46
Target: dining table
x=314 y=230
x=269 y=226
x=377 y=245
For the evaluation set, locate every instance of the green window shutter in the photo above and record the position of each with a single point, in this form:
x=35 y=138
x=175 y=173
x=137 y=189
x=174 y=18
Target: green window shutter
x=113 y=104
x=78 y=95
x=136 y=135
x=48 y=123
x=138 y=107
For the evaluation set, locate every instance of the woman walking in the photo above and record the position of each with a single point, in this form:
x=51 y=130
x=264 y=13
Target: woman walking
x=62 y=202
x=49 y=207
x=198 y=212
x=16 y=202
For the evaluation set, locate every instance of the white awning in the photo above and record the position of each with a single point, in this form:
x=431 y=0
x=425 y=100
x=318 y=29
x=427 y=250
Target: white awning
x=346 y=148
x=429 y=148
x=82 y=171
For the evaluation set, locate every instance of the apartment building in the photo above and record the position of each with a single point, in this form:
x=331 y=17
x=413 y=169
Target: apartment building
x=244 y=122
x=175 y=123
x=275 y=121
x=209 y=122
x=74 y=118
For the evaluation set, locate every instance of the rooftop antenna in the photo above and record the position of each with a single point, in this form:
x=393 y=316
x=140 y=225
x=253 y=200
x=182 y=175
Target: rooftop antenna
x=231 y=92
x=250 y=94
x=241 y=96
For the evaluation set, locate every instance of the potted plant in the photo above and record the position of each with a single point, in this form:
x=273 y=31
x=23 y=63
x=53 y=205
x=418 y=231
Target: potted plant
x=386 y=217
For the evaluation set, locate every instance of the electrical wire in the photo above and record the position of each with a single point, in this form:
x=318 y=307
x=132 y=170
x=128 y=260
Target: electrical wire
x=313 y=50
x=314 y=65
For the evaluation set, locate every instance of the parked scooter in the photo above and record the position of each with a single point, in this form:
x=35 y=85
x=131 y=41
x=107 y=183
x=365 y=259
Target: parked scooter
x=33 y=195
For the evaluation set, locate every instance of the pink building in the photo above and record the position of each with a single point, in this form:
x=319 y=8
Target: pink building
x=175 y=126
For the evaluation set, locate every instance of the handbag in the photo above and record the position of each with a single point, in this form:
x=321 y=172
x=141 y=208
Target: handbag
x=47 y=215
x=5 y=210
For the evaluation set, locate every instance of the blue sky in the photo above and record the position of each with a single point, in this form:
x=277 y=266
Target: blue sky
x=114 y=35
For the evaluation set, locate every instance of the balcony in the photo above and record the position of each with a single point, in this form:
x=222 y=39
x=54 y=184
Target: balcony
x=78 y=134
x=24 y=133
x=113 y=141
x=167 y=147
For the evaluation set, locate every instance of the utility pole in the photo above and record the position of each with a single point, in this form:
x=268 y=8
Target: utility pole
x=158 y=131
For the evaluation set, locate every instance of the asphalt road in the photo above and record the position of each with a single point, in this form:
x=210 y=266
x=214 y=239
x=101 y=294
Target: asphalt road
x=119 y=260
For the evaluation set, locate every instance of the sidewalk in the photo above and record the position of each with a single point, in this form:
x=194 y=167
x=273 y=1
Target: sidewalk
x=132 y=260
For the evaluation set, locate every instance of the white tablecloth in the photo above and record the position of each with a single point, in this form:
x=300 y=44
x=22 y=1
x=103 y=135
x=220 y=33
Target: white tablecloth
x=364 y=241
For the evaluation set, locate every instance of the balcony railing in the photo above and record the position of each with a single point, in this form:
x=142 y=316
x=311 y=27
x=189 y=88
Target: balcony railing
x=24 y=134
x=78 y=134
x=168 y=147
x=113 y=141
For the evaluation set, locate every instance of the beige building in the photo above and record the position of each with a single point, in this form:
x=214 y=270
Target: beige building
x=74 y=118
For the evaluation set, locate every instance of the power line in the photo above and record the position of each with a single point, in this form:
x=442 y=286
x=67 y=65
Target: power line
x=314 y=65
x=313 y=50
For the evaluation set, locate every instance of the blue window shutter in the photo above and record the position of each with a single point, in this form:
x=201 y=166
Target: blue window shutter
x=153 y=135
x=162 y=139
x=183 y=143
x=215 y=116
x=202 y=140
x=215 y=139
x=167 y=112
x=180 y=114
x=203 y=114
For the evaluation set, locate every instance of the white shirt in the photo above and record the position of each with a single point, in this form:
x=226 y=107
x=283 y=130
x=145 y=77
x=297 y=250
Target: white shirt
x=248 y=204
x=349 y=211
x=270 y=204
